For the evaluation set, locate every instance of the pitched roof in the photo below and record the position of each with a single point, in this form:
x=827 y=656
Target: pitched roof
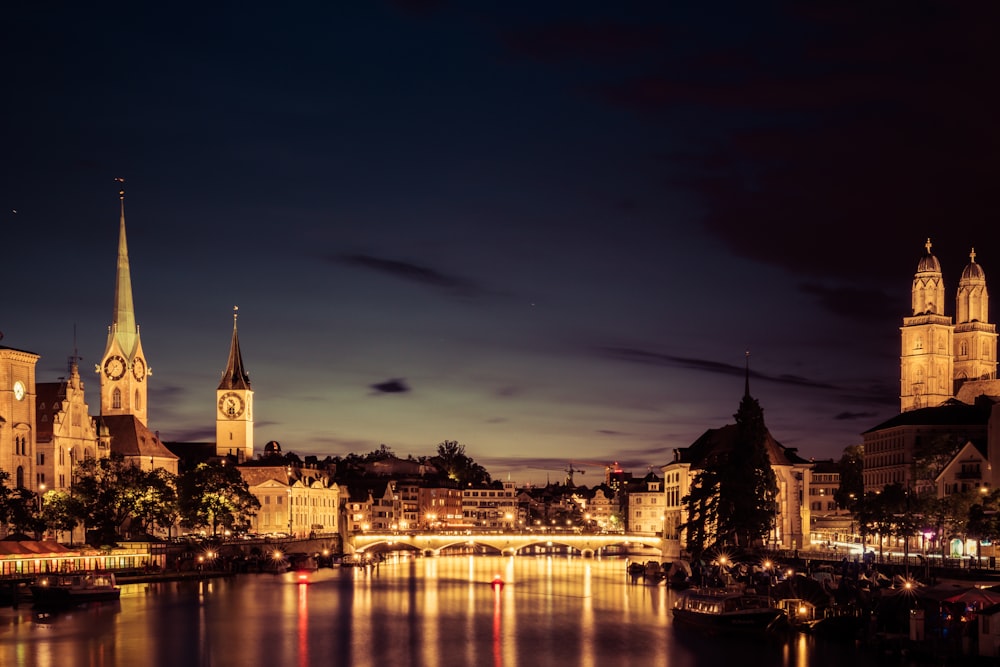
x=50 y=395
x=717 y=441
x=235 y=376
x=131 y=438
x=950 y=413
x=257 y=475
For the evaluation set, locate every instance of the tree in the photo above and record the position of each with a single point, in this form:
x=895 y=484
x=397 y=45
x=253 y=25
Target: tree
x=733 y=499
x=748 y=485
x=852 y=483
x=60 y=511
x=459 y=467
x=214 y=495
x=4 y=498
x=23 y=514
x=156 y=501
x=109 y=491
x=702 y=504
x=984 y=518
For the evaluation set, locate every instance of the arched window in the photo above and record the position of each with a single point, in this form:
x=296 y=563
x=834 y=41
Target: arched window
x=116 y=399
x=62 y=456
x=963 y=348
x=138 y=400
x=19 y=478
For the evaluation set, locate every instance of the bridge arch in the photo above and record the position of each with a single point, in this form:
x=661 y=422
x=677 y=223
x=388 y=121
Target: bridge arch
x=507 y=544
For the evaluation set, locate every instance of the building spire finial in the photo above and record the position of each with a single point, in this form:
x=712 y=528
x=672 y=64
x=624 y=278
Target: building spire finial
x=972 y=255
x=746 y=391
x=928 y=245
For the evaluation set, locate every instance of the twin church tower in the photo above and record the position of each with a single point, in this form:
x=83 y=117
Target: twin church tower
x=124 y=371
x=941 y=359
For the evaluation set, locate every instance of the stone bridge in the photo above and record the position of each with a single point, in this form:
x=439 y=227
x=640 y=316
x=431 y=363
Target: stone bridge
x=511 y=543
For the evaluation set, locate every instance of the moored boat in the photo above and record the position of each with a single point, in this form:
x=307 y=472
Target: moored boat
x=728 y=610
x=62 y=590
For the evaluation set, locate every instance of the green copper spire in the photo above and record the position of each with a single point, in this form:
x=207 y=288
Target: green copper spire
x=123 y=326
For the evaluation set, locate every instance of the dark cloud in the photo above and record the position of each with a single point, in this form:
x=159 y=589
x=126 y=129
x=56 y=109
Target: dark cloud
x=604 y=431
x=864 y=305
x=393 y=386
x=419 y=7
x=846 y=416
x=588 y=41
x=633 y=355
x=822 y=141
x=411 y=272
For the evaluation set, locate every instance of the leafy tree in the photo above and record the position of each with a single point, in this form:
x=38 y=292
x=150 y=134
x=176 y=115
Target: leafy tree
x=950 y=516
x=109 y=491
x=214 y=495
x=23 y=514
x=383 y=453
x=852 y=483
x=61 y=511
x=931 y=455
x=984 y=518
x=5 y=492
x=702 y=504
x=156 y=501
x=458 y=466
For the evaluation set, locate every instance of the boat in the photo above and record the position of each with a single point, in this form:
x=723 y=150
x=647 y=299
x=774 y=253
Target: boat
x=65 y=590
x=728 y=610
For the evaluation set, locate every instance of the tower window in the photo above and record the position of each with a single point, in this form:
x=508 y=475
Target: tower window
x=138 y=400
x=116 y=399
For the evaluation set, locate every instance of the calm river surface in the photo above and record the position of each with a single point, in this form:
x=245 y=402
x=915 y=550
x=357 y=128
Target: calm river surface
x=425 y=611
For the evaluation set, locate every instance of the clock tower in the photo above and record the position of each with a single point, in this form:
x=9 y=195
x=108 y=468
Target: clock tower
x=234 y=405
x=123 y=368
x=18 y=441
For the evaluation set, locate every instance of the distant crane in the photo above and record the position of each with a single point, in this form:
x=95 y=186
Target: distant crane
x=569 y=474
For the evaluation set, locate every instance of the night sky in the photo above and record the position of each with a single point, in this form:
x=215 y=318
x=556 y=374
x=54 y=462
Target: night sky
x=549 y=231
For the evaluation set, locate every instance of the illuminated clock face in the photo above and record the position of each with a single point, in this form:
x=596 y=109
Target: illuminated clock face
x=114 y=367
x=19 y=390
x=231 y=405
x=139 y=369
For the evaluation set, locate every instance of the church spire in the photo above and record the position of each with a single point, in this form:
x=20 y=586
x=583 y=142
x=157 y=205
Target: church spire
x=123 y=326
x=746 y=391
x=235 y=375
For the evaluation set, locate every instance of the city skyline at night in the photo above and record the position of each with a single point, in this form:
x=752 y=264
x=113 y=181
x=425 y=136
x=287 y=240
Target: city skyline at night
x=549 y=234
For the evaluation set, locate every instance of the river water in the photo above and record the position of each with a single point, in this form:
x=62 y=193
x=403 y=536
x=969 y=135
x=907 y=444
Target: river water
x=551 y=610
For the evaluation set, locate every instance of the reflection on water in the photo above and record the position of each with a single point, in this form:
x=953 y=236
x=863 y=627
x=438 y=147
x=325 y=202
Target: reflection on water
x=425 y=611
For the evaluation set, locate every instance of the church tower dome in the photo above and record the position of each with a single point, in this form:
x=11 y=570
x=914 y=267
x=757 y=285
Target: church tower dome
x=975 y=338
x=926 y=361
x=928 y=285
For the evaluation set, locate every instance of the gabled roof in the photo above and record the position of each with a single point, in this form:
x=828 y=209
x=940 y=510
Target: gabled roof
x=970 y=451
x=257 y=475
x=131 y=438
x=50 y=395
x=716 y=441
